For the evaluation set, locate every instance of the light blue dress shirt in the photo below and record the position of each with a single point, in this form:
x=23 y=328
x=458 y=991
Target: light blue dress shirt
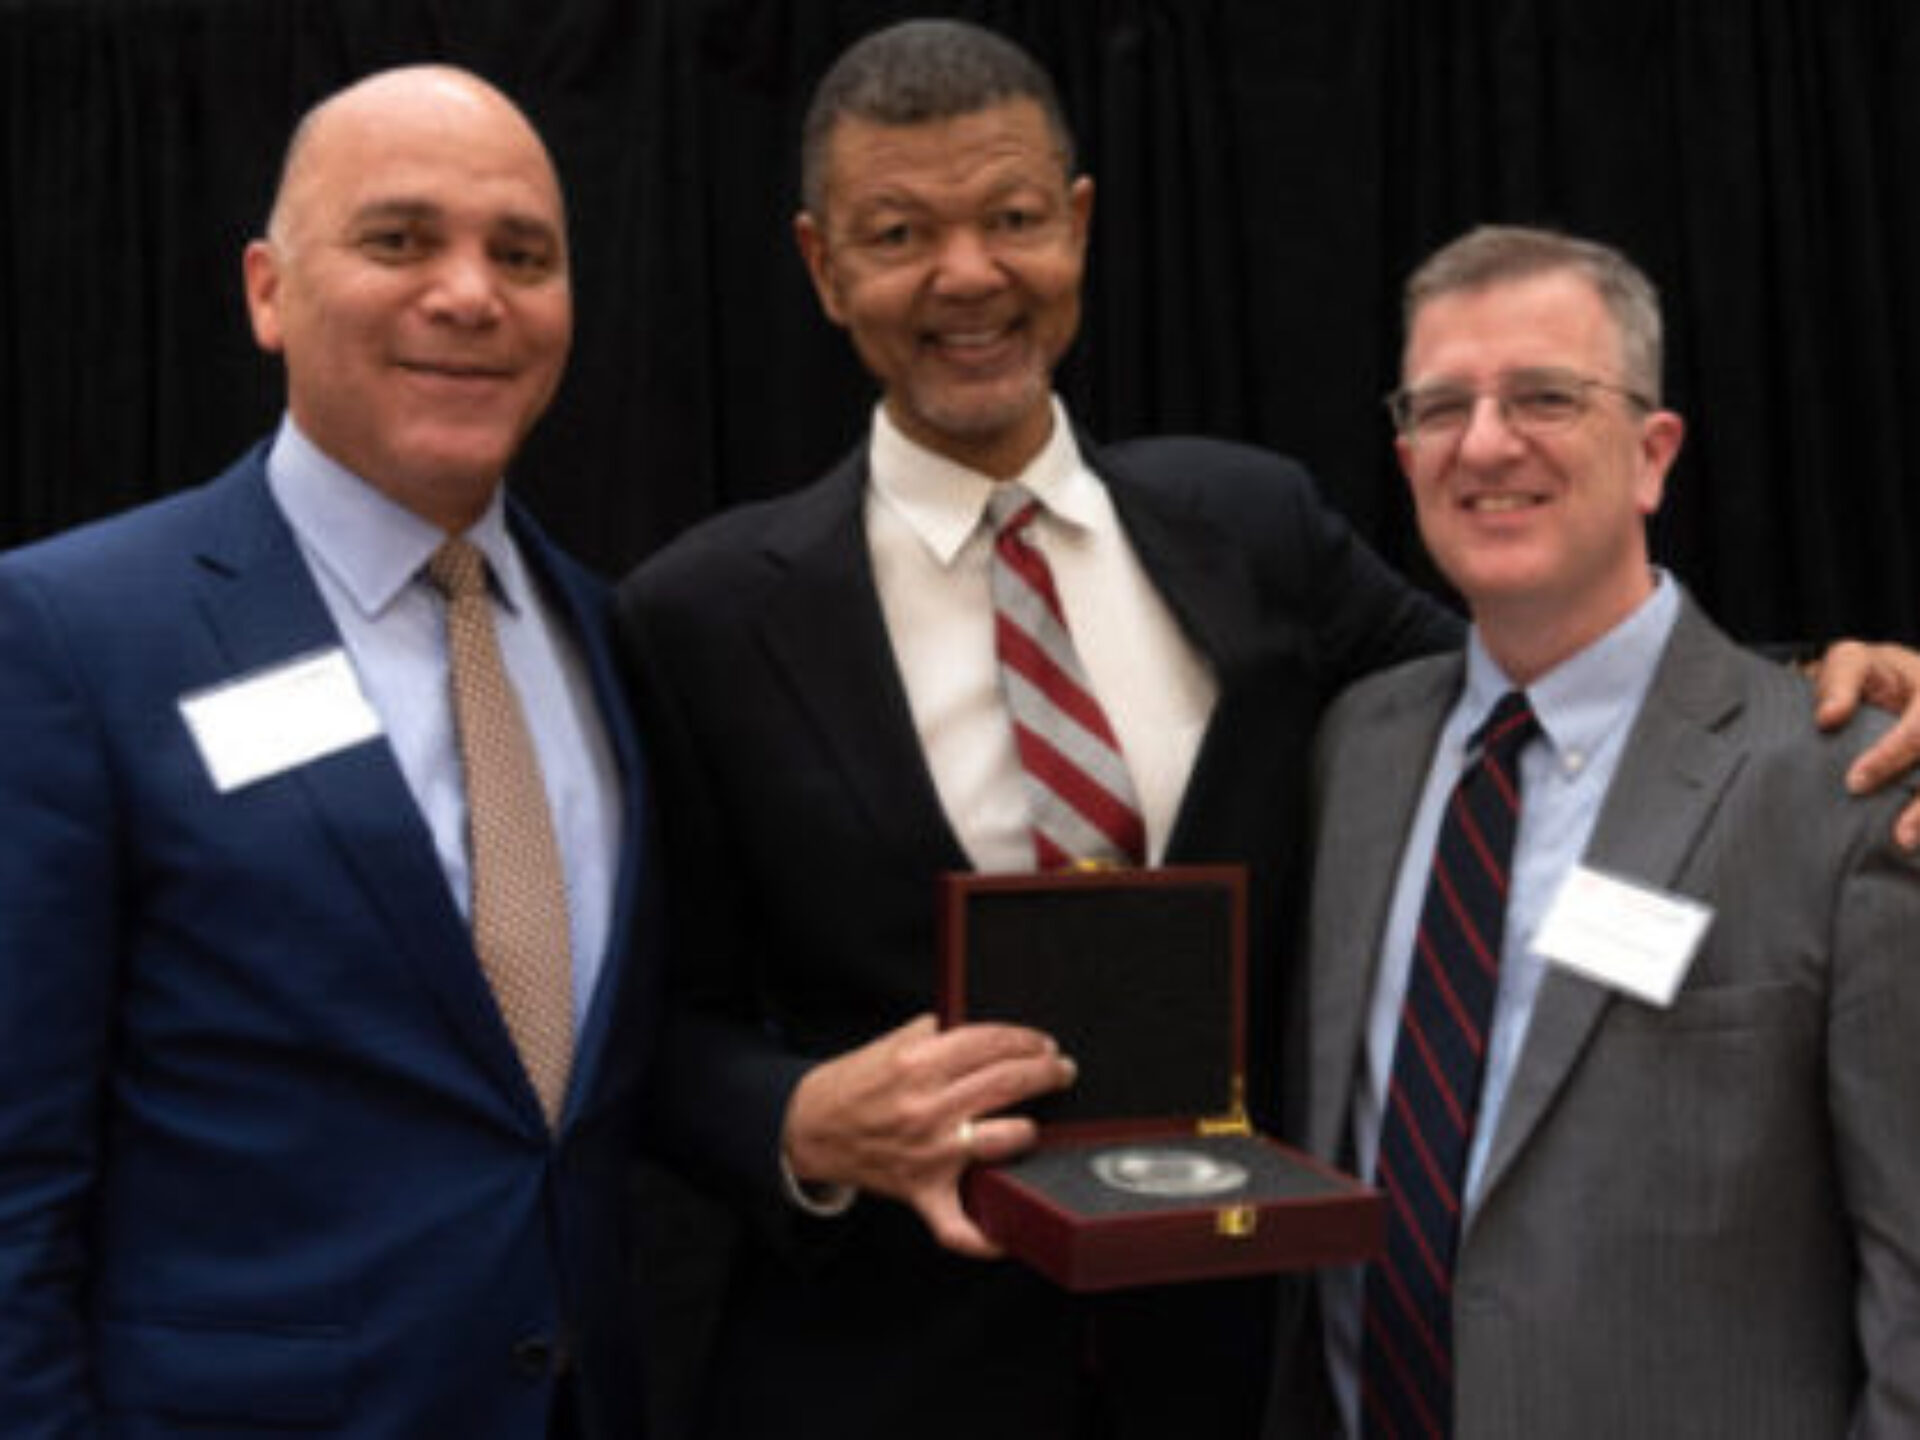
x=1586 y=706
x=367 y=554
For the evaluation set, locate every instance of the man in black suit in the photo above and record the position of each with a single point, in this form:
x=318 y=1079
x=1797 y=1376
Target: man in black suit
x=818 y=674
x=818 y=678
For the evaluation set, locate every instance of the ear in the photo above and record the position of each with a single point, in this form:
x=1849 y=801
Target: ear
x=260 y=274
x=1661 y=434
x=1403 y=452
x=815 y=250
x=1080 y=205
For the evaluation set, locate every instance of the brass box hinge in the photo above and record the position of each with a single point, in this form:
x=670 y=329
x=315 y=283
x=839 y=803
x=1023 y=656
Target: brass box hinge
x=1236 y=1121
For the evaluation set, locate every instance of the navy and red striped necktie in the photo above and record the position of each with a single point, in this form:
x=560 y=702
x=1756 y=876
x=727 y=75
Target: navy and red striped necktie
x=1439 y=1058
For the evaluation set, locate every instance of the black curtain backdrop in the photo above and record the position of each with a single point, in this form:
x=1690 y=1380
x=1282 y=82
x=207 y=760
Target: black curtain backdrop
x=1267 y=170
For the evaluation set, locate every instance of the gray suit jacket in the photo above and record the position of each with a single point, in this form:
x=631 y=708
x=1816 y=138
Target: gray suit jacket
x=1698 y=1221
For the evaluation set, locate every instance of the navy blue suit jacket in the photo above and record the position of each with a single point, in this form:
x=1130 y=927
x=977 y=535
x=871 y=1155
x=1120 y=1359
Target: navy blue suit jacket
x=267 y=1155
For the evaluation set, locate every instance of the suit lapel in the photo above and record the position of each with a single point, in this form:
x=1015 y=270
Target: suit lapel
x=1677 y=764
x=825 y=634
x=262 y=604
x=1202 y=578
x=1204 y=581
x=1387 y=757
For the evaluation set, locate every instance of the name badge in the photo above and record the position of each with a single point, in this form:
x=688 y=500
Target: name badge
x=1624 y=935
x=262 y=724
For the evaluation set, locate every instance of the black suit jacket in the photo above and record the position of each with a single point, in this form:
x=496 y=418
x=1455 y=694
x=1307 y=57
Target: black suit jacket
x=805 y=835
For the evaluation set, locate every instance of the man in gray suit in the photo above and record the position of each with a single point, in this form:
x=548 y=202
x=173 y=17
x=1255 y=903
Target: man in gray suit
x=1636 y=1188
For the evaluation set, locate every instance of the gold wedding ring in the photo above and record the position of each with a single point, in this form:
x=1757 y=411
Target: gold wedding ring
x=963 y=1135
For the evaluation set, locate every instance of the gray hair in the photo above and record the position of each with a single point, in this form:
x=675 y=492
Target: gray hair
x=919 y=71
x=1492 y=254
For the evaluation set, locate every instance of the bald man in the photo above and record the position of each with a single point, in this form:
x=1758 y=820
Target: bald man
x=309 y=1115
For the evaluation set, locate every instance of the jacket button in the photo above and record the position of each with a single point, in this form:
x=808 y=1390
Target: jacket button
x=533 y=1356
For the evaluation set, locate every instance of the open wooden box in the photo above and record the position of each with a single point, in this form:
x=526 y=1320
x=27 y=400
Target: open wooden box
x=1148 y=1170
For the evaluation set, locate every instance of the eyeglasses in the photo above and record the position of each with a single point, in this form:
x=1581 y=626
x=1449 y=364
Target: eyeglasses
x=1531 y=402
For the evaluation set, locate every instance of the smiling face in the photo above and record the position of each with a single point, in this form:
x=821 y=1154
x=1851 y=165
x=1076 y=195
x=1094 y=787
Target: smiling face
x=952 y=252
x=1543 y=534
x=415 y=281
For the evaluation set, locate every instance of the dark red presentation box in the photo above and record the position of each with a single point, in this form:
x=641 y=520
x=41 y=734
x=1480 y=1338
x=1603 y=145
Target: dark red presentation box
x=1148 y=1169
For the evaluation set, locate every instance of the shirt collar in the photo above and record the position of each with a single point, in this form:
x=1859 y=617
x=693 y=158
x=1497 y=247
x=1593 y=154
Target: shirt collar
x=371 y=545
x=941 y=501
x=1589 y=699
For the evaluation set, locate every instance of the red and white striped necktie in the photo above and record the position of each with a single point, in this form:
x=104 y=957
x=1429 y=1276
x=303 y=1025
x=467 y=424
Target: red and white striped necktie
x=1079 y=792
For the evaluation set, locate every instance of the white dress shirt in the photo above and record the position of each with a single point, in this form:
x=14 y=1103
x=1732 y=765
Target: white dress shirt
x=931 y=555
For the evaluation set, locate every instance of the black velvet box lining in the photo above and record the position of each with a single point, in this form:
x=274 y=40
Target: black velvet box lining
x=1138 y=983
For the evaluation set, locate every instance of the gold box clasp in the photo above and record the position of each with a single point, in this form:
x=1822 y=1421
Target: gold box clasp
x=1236 y=1222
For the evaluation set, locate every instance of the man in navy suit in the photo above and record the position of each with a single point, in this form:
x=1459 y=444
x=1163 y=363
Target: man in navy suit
x=819 y=688
x=270 y=1156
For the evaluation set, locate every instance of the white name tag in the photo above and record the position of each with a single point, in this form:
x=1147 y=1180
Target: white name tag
x=1624 y=935
x=273 y=720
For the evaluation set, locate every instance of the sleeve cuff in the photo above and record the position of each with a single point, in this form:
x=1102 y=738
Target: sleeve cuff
x=827 y=1202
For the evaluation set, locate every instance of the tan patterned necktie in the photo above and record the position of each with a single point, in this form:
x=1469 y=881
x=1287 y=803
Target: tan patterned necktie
x=519 y=889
